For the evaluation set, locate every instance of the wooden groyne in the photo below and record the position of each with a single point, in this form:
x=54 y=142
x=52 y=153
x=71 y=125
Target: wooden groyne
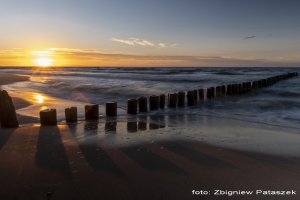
x=143 y=104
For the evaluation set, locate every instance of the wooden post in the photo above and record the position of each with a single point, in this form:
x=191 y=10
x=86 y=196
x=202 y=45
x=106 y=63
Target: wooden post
x=8 y=116
x=223 y=88
x=235 y=89
x=162 y=101
x=195 y=96
x=173 y=100
x=218 y=91
x=254 y=85
x=48 y=117
x=132 y=106
x=190 y=98
x=201 y=94
x=229 y=89
x=210 y=92
x=154 y=102
x=92 y=112
x=181 y=99
x=143 y=104
x=71 y=114
x=111 y=109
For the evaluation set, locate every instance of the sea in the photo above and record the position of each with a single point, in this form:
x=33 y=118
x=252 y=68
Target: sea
x=277 y=105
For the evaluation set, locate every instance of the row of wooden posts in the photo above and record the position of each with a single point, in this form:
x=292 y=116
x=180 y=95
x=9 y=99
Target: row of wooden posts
x=156 y=102
x=180 y=99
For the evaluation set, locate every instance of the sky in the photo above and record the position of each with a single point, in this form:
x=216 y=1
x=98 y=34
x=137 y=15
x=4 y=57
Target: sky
x=204 y=33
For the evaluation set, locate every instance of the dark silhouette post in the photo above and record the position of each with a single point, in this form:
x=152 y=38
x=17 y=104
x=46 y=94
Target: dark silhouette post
x=92 y=112
x=210 y=92
x=132 y=106
x=181 y=99
x=111 y=109
x=201 y=94
x=48 y=117
x=143 y=104
x=218 y=91
x=154 y=102
x=8 y=116
x=71 y=114
x=223 y=88
x=173 y=100
x=190 y=98
x=162 y=101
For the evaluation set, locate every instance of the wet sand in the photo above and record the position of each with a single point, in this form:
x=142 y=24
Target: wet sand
x=11 y=78
x=92 y=160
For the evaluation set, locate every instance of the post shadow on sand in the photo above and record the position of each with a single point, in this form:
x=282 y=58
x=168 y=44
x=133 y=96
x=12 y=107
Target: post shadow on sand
x=93 y=153
x=149 y=160
x=51 y=154
x=195 y=156
x=4 y=136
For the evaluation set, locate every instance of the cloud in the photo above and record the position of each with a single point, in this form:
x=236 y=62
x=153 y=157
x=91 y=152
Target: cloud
x=142 y=42
x=162 y=45
x=249 y=37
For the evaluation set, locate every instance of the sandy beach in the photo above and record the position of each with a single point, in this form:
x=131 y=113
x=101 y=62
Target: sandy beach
x=98 y=160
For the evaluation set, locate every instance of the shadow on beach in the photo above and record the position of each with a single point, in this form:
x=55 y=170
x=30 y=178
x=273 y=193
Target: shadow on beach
x=51 y=152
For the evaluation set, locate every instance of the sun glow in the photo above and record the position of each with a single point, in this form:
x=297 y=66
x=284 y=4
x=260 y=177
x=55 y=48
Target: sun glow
x=43 y=58
x=43 y=62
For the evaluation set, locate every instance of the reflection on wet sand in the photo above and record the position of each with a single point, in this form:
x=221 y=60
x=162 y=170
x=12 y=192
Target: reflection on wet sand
x=132 y=126
x=110 y=127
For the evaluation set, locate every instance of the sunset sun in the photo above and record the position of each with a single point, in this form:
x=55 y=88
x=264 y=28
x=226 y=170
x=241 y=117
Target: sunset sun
x=43 y=62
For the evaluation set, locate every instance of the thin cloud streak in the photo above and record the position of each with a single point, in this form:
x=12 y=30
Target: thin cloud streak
x=250 y=37
x=142 y=42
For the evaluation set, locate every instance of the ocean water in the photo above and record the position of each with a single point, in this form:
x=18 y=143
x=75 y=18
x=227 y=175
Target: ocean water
x=277 y=105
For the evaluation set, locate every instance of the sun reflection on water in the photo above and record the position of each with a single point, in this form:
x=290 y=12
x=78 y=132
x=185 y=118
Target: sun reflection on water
x=39 y=98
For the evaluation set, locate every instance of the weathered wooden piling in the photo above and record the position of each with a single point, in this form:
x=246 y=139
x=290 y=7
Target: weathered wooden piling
x=190 y=98
x=91 y=112
x=181 y=99
x=254 y=85
x=223 y=90
x=229 y=89
x=241 y=88
x=196 y=97
x=143 y=104
x=162 y=101
x=173 y=100
x=235 y=89
x=201 y=94
x=154 y=102
x=8 y=116
x=210 y=92
x=248 y=86
x=218 y=91
x=71 y=114
x=48 y=117
x=132 y=106
x=111 y=109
